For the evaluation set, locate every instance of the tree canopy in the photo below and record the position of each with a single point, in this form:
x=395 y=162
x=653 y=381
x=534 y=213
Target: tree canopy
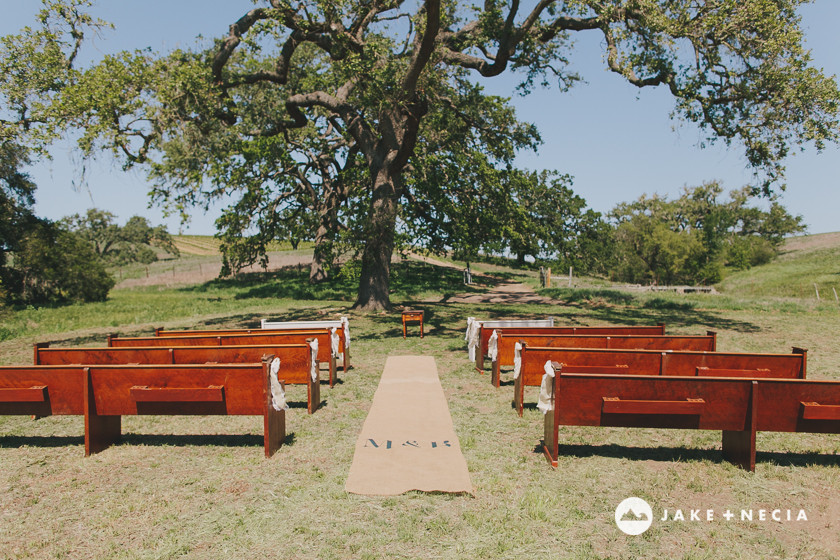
x=692 y=239
x=370 y=74
x=115 y=244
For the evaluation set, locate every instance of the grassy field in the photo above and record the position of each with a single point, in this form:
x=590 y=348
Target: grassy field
x=199 y=487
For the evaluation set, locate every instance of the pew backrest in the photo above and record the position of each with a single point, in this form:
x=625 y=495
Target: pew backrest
x=323 y=336
x=502 y=347
x=657 y=363
x=739 y=407
x=485 y=332
x=39 y=391
x=296 y=360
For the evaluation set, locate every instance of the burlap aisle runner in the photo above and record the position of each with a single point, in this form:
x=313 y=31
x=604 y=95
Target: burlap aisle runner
x=408 y=441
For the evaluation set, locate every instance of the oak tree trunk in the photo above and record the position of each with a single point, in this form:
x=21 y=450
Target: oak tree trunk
x=397 y=136
x=374 y=282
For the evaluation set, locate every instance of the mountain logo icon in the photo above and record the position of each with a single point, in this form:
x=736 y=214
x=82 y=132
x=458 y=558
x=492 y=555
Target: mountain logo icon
x=633 y=516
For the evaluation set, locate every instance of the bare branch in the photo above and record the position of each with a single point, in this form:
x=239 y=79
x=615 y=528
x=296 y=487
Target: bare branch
x=424 y=52
x=233 y=39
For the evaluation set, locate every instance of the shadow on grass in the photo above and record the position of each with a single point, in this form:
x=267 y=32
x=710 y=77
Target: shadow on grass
x=453 y=316
x=158 y=440
x=408 y=278
x=7 y=442
x=685 y=454
x=577 y=295
x=196 y=440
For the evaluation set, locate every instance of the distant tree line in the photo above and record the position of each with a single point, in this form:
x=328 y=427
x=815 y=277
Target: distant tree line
x=46 y=262
x=694 y=239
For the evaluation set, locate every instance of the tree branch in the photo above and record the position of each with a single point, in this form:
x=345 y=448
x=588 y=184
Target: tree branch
x=427 y=46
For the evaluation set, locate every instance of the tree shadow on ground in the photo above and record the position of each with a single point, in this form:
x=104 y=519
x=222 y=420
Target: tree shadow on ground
x=408 y=278
x=452 y=317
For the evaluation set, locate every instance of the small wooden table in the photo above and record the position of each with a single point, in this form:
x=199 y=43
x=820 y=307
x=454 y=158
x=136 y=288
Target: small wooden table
x=412 y=315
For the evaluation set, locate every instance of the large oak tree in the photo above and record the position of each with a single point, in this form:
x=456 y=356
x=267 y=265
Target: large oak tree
x=374 y=68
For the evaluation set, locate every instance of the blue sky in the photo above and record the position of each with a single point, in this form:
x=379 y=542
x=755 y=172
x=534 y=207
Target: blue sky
x=615 y=140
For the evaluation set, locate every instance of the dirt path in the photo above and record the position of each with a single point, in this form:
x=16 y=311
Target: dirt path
x=512 y=293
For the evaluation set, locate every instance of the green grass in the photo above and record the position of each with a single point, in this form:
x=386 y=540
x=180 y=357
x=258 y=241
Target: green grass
x=793 y=274
x=199 y=487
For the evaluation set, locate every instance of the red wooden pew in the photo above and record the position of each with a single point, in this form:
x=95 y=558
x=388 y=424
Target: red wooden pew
x=504 y=345
x=654 y=362
x=296 y=360
x=269 y=338
x=38 y=391
x=738 y=407
x=339 y=331
x=103 y=394
x=486 y=333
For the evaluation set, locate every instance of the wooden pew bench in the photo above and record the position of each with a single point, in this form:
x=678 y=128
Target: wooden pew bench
x=37 y=391
x=341 y=326
x=297 y=361
x=502 y=346
x=655 y=362
x=477 y=350
x=103 y=394
x=339 y=329
x=261 y=338
x=486 y=331
x=738 y=407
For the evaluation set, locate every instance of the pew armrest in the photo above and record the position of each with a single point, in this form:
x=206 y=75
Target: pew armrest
x=213 y=393
x=614 y=405
x=36 y=393
x=817 y=411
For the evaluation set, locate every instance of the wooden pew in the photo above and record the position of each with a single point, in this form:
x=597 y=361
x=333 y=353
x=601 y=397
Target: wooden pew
x=296 y=360
x=486 y=333
x=38 y=391
x=341 y=329
x=103 y=394
x=738 y=407
x=474 y=329
x=503 y=346
x=655 y=362
x=324 y=338
x=342 y=326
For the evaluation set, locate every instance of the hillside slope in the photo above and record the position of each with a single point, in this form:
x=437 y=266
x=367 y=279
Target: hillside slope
x=803 y=262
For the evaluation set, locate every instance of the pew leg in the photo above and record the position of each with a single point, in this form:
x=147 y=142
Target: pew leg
x=274 y=421
x=518 y=396
x=495 y=376
x=333 y=371
x=739 y=448
x=550 y=438
x=739 y=445
x=313 y=394
x=274 y=430
x=100 y=431
x=479 y=360
x=346 y=364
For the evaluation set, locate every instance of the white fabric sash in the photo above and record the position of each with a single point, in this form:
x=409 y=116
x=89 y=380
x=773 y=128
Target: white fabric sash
x=314 y=371
x=493 y=345
x=544 y=404
x=278 y=395
x=517 y=359
x=334 y=341
x=345 y=322
x=471 y=337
